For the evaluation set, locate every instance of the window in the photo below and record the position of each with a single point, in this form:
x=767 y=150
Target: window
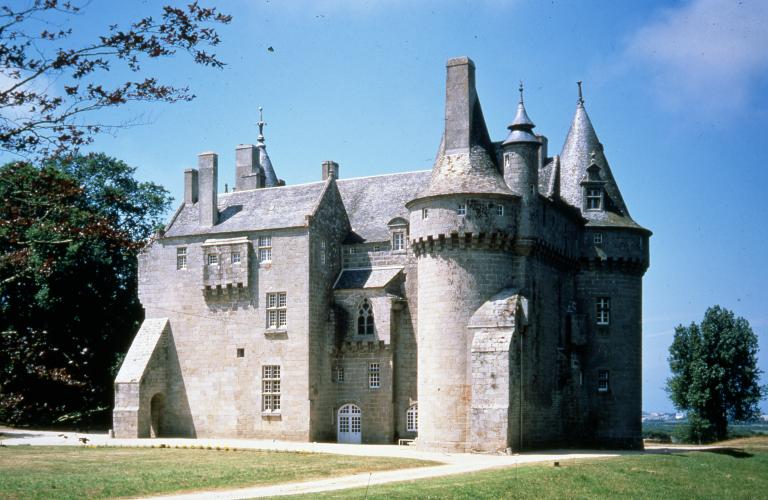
x=365 y=319
x=265 y=249
x=213 y=259
x=594 y=199
x=603 y=310
x=602 y=381
x=277 y=313
x=322 y=252
x=377 y=248
x=339 y=373
x=181 y=258
x=598 y=238
x=270 y=388
x=240 y=352
x=424 y=213
x=398 y=241
x=462 y=209
x=374 y=375
x=235 y=257
x=351 y=250
x=412 y=418
x=500 y=210
x=507 y=160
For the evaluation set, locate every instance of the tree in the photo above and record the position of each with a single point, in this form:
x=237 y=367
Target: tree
x=714 y=373
x=69 y=236
x=39 y=119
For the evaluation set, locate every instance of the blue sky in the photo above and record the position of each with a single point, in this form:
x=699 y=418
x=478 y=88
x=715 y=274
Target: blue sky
x=676 y=91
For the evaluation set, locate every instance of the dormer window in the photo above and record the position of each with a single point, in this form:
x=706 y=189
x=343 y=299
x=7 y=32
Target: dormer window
x=594 y=199
x=398 y=241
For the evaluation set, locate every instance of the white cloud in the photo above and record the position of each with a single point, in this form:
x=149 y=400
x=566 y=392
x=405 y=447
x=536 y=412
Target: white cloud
x=706 y=54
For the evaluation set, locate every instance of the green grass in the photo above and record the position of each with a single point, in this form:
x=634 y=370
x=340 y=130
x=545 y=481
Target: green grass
x=725 y=474
x=83 y=472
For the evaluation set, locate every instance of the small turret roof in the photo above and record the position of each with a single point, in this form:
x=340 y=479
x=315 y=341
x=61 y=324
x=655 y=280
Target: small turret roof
x=582 y=150
x=521 y=126
x=270 y=178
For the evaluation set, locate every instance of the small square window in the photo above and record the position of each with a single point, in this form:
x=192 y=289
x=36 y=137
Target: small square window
x=603 y=310
x=351 y=250
x=374 y=375
x=235 y=257
x=240 y=352
x=181 y=258
x=213 y=259
x=602 y=381
x=598 y=238
x=424 y=213
x=500 y=210
x=377 y=248
x=462 y=209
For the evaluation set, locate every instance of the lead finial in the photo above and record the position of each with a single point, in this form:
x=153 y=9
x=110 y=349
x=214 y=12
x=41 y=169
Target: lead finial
x=521 y=91
x=581 y=98
x=261 y=124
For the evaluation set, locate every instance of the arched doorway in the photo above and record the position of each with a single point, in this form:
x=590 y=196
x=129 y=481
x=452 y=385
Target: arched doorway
x=349 y=424
x=156 y=412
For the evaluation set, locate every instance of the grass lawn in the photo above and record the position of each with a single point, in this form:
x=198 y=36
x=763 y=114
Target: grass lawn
x=737 y=473
x=82 y=472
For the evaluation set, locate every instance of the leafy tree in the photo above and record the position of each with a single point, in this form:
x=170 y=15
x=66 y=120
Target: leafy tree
x=714 y=373
x=69 y=235
x=40 y=120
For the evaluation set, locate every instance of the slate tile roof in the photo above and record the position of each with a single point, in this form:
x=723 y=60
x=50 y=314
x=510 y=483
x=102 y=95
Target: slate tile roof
x=366 y=278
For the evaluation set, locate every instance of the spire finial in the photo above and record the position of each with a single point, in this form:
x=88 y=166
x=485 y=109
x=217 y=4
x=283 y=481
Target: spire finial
x=521 y=91
x=261 y=124
x=581 y=97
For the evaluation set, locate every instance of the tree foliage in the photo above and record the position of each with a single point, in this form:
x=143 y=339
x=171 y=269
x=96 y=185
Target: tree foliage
x=38 y=119
x=69 y=235
x=714 y=373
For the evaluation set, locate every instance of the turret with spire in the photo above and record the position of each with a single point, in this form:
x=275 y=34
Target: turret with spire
x=270 y=179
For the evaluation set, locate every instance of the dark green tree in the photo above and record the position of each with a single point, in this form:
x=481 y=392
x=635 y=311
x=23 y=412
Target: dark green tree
x=714 y=373
x=69 y=236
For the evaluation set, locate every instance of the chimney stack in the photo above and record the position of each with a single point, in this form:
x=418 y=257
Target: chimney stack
x=330 y=169
x=208 y=166
x=248 y=172
x=190 y=186
x=459 y=90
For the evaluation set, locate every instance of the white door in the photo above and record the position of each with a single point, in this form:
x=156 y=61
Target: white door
x=349 y=424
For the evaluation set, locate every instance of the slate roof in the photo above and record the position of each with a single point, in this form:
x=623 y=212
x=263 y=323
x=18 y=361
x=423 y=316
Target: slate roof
x=366 y=278
x=253 y=210
x=372 y=202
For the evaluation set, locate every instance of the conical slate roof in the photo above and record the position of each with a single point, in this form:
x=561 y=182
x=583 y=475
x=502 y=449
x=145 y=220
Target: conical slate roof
x=582 y=148
x=270 y=178
x=520 y=130
x=465 y=162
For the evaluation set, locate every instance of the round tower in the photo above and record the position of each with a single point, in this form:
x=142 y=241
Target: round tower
x=461 y=232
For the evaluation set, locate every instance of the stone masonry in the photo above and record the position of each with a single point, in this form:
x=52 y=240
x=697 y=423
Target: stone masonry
x=491 y=303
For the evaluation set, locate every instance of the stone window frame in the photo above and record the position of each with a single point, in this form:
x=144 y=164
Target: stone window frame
x=398 y=241
x=338 y=373
x=398 y=234
x=264 y=248
x=374 y=375
x=412 y=418
x=597 y=238
x=462 y=210
x=271 y=389
x=277 y=310
x=234 y=257
x=603 y=380
x=593 y=198
x=603 y=311
x=424 y=213
x=181 y=258
x=500 y=210
x=366 y=314
x=213 y=259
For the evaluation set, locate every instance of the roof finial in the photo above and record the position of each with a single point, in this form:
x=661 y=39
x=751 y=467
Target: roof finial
x=521 y=92
x=261 y=124
x=581 y=98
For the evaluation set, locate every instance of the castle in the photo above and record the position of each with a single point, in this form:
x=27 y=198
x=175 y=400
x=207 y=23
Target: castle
x=491 y=303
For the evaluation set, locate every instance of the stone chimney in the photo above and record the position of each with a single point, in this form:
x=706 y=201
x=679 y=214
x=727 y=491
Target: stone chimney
x=208 y=166
x=248 y=172
x=330 y=169
x=190 y=186
x=542 y=150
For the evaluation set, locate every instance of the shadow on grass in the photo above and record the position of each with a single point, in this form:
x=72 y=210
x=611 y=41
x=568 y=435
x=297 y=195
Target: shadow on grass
x=682 y=452
x=731 y=452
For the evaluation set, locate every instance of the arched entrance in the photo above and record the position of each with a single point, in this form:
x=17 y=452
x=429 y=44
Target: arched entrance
x=349 y=424
x=156 y=412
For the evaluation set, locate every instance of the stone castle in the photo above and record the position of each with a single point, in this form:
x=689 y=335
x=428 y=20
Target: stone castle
x=491 y=303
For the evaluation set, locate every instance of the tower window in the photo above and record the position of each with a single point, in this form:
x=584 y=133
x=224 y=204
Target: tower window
x=412 y=418
x=598 y=238
x=602 y=381
x=181 y=258
x=424 y=213
x=339 y=373
x=374 y=375
x=265 y=249
x=500 y=209
x=235 y=257
x=398 y=241
x=462 y=209
x=603 y=310
x=365 y=319
x=594 y=199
